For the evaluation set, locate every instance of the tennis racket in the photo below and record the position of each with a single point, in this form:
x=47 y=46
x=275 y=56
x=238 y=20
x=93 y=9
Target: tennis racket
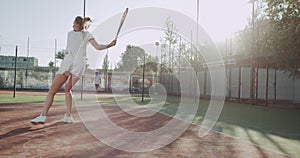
x=121 y=22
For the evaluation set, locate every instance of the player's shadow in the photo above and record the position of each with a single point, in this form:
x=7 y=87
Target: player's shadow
x=24 y=130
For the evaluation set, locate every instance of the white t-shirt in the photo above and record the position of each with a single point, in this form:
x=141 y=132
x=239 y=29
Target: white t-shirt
x=97 y=79
x=75 y=53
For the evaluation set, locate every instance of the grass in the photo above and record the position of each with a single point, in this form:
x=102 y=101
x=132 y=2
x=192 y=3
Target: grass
x=273 y=128
x=28 y=99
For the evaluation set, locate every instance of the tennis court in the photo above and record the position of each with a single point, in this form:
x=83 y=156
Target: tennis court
x=19 y=138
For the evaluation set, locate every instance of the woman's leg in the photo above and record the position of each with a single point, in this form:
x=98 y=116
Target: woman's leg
x=58 y=81
x=97 y=87
x=68 y=97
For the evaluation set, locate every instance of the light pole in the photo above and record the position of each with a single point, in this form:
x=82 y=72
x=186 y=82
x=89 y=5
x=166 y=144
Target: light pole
x=81 y=91
x=162 y=48
x=253 y=60
x=156 y=44
x=84 y=7
x=55 y=49
x=143 y=86
x=26 y=72
x=15 y=76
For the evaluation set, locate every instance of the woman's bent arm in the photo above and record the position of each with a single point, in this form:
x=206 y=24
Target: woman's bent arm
x=102 y=46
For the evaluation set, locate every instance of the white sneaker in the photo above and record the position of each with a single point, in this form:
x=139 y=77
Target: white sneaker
x=67 y=119
x=39 y=119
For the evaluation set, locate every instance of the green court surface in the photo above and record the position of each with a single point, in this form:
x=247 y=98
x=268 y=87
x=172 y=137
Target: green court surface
x=269 y=127
x=20 y=98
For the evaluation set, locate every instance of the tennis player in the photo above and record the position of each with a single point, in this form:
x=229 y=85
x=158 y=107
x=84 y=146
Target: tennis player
x=72 y=67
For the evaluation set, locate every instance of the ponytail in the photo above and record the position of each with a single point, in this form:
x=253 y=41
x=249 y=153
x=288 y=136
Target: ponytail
x=86 y=22
x=83 y=22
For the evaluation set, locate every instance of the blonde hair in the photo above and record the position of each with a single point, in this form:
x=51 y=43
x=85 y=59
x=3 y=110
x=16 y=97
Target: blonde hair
x=84 y=23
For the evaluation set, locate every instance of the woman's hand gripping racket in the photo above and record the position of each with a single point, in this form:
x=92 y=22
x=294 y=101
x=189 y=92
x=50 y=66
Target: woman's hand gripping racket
x=121 y=22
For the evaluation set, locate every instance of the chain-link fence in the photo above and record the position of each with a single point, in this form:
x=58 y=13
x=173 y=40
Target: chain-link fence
x=273 y=85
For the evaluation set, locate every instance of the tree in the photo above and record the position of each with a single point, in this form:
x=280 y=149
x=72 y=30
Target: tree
x=134 y=57
x=1 y=81
x=177 y=53
x=105 y=64
x=60 y=55
x=170 y=38
x=284 y=35
x=276 y=33
x=52 y=69
x=244 y=41
x=131 y=58
x=51 y=64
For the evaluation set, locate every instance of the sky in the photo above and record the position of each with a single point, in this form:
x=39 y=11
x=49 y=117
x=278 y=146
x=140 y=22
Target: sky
x=35 y=25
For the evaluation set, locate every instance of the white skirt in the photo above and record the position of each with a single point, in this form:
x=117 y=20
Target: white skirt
x=70 y=66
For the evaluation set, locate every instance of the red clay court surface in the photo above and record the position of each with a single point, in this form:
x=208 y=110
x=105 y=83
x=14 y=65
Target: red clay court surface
x=19 y=138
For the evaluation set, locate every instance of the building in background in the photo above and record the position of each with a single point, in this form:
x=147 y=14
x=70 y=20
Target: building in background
x=8 y=62
x=28 y=74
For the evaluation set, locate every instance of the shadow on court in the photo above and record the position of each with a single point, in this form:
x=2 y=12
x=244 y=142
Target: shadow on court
x=19 y=138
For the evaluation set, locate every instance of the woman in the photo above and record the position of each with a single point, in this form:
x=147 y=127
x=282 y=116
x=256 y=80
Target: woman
x=72 y=67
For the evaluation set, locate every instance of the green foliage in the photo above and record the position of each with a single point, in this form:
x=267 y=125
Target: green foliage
x=276 y=34
x=284 y=36
x=60 y=55
x=105 y=64
x=29 y=99
x=1 y=81
x=51 y=64
x=131 y=58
